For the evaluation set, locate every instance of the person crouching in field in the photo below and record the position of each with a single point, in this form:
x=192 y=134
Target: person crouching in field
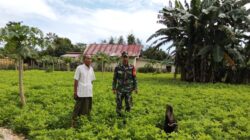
x=170 y=124
x=84 y=75
x=124 y=83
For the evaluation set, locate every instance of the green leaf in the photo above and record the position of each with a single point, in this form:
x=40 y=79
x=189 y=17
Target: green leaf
x=218 y=53
x=222 y=15
x=204 y=50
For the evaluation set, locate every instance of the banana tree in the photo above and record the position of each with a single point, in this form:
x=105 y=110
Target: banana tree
x=20 y=39
x=205 y=35
x=101 y=58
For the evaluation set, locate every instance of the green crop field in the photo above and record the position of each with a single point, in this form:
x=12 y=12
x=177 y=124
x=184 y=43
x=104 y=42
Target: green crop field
x=203 y=111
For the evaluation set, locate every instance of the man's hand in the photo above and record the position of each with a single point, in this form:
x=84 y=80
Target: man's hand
x=114 y=91
x=75 y=96
x=136 y=91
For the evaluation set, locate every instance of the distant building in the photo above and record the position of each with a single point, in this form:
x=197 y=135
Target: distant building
x=74 y=55
x=134 y=52
x=114 y=50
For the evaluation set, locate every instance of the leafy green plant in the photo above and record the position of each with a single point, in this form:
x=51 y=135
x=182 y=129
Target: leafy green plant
x=203 y=111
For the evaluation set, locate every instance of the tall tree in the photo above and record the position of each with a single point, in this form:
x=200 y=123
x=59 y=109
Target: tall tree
x=131 y=39
x=207 y=36
x=58 y=46
x=121 y=41
x=111 y=40
x=20 y=39
x=2 y=52
x=79 y=47
x=156 y=54
x=104 y=41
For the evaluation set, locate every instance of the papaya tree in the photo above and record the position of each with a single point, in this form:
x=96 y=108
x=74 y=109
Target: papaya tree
x=20 y=41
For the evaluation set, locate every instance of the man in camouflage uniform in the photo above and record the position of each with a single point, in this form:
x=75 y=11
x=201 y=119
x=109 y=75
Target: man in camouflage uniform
x=124 y=83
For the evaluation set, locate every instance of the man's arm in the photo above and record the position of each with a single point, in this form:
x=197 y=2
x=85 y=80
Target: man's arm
x=76 y=77
x=75 y=88
x=134 y=79
x=114 y=80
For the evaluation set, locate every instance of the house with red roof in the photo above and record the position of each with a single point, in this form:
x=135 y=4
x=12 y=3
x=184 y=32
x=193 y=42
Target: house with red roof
x=115 y=50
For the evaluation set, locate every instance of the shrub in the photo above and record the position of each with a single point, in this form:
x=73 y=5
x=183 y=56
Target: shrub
x=147 y=69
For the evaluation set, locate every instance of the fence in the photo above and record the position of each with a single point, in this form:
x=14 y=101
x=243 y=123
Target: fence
x=7 y=63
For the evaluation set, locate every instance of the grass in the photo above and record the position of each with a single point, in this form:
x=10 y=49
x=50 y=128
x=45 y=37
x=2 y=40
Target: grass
x=203 y=111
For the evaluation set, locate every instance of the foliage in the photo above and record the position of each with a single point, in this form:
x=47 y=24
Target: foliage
x=111 y=40
x=2 y=53
x=131 y=39
x=203 y=111
x=101 y=60
x=208 y=36
x=57 y=46
x=148 y=68
x=155 y=54
x=21 y=39
x=79 y=47
x=121 y=41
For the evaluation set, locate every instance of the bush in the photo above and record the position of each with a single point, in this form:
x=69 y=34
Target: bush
x=147 y=69
x=221 y=109
x=49 y=69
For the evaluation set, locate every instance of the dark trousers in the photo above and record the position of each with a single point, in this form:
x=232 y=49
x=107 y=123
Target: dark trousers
x=83 y=106
x=119 y=98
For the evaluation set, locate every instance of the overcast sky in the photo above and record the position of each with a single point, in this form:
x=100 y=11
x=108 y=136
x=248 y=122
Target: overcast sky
x=86 y=21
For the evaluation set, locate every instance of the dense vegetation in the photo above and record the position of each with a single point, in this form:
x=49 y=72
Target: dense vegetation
x=211 y=40
x=204 y=111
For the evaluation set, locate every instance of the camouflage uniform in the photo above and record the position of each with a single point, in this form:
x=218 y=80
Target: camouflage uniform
x=124 y=82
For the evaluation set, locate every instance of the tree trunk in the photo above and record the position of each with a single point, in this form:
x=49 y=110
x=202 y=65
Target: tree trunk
x=175 y=72
x=68 y=66
x=183 y=73
x=53 y=66
x=43 y=66
x=212 y=75
x=16 y=66
x=102 y=70
x=21 y=92
x=193 y=71
x=32 y=65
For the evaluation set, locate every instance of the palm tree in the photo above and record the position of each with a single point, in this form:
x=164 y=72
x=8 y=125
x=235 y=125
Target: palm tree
x=45 y=60
x=20 y=39
x=114 y=60
x=68 y=61
x=101 y=58
x=59 y=63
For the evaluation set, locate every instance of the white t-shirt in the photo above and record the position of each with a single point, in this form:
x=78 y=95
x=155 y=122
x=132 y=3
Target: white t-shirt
x=85 y=75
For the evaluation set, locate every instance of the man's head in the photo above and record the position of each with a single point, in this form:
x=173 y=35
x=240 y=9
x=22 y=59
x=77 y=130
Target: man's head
x=87 y=60
x=125 y=57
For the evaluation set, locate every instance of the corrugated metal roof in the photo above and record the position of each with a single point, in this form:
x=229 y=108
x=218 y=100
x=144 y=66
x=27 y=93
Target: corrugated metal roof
x=113 y=50
x=71 y=55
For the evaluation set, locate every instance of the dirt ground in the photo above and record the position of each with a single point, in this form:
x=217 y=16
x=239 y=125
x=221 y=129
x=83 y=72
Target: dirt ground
x=6 y=134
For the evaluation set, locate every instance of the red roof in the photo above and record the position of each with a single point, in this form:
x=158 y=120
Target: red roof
x=113 y=50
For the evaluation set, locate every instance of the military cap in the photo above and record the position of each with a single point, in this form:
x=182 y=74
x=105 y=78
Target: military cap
x=124 y=54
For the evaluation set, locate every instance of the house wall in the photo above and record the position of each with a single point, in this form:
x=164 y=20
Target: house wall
x=138 y=63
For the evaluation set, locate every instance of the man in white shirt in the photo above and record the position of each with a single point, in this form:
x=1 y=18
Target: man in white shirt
x=84 y=75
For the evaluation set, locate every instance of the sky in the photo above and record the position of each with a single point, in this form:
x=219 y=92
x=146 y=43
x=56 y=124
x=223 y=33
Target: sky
x=86 y=21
